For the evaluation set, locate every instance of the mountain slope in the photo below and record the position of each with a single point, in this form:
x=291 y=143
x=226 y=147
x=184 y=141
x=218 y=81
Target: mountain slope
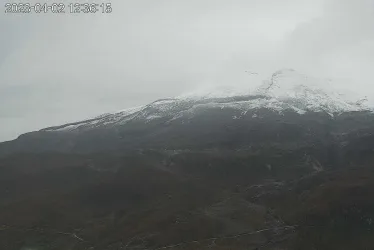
x=287 y=166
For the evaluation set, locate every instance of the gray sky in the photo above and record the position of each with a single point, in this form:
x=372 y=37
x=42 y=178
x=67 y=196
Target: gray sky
x=58 y=68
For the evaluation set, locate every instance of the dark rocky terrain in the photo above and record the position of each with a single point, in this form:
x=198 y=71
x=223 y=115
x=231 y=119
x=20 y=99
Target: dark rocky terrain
x=285 y=181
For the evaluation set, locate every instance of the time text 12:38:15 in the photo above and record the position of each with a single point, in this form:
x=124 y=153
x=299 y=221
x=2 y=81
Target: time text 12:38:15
x=49 y=7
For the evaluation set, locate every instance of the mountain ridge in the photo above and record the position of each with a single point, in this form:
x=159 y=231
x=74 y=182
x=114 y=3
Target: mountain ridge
x=285 y=90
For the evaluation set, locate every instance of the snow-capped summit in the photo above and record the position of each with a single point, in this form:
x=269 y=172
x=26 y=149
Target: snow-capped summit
x=284 y=90
x=309 y=93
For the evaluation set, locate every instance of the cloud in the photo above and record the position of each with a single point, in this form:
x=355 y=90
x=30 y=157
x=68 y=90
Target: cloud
x=60 y=68
x=339 y=43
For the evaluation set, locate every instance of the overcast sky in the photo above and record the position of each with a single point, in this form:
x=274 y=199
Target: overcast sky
x=58 y=68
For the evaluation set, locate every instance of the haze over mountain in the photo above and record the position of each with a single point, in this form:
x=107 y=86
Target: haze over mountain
x=218 y=115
